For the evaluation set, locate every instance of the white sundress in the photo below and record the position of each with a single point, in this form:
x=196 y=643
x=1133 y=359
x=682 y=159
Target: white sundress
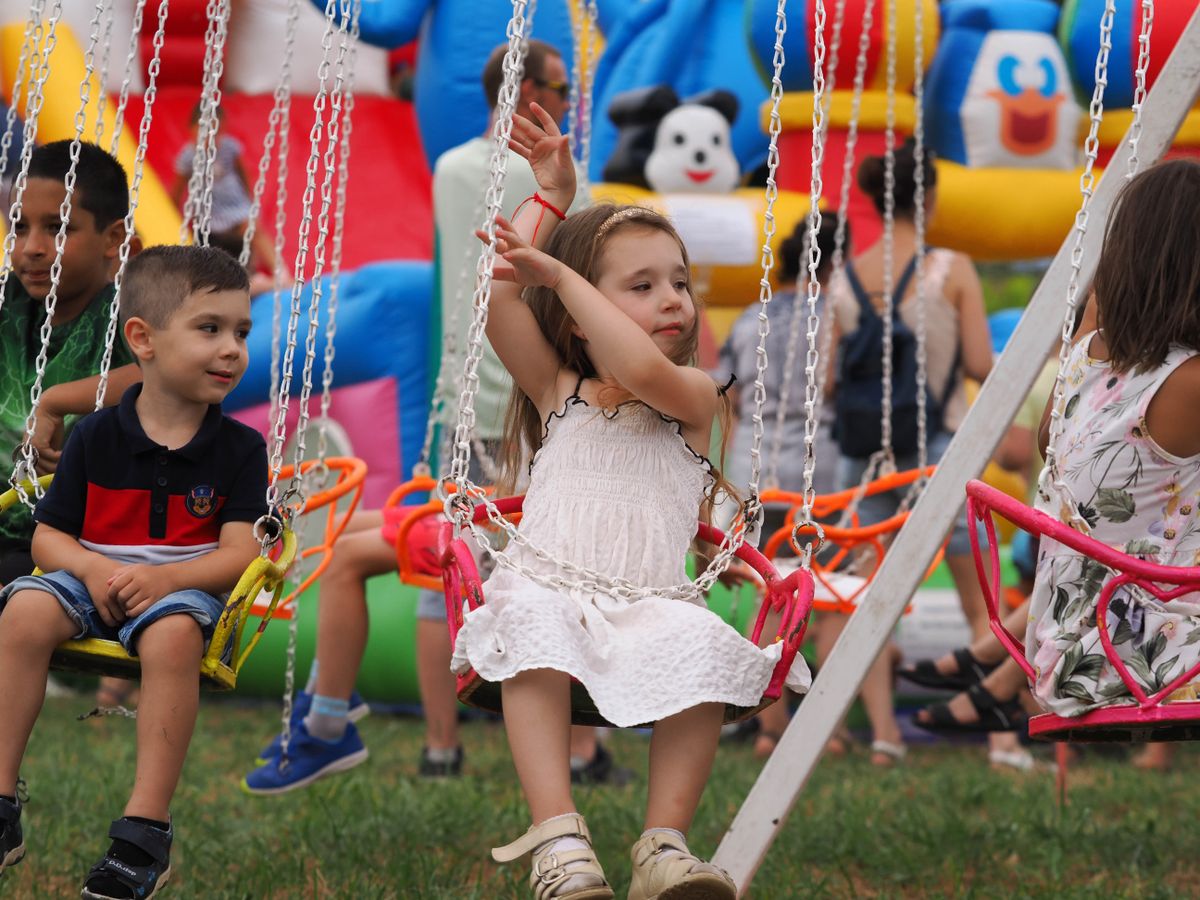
x=1137 y=498
x=617 y=492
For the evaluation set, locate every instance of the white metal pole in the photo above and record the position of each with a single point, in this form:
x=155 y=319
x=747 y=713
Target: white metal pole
x=782 y=778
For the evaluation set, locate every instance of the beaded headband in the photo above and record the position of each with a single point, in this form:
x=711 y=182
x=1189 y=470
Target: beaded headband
x=624 y=215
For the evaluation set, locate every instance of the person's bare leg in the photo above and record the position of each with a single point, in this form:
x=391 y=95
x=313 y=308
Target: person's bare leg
x=878 y=700
x=987 y=647
x=170 y=651
x=342 y=621
x=31 y=626
x=829 y=627
x=439 y=699
x=682 y=750
x=970 y=594
x=1156 y=757
x=1004 y=683
x=537 y=719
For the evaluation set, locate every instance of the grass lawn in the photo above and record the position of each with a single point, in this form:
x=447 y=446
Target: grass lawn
x=941 y=825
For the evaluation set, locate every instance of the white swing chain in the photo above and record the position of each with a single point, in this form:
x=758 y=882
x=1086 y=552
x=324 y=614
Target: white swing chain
x=139 y=11
x=297 y=489
x=797 y=317
x=1139 y=92
x=205 y=202
x=26 y=467
x=513 y=67
x=102 y=73
x=280 y=433
x=279 y=271
x=139 y=165
x=39 y=71
x=10 y=117
x=919 y=270
x=317 y=283
x=339 y=227
x=885 y=455
x=279 y=111
x=1051 y=478
x=752 y=507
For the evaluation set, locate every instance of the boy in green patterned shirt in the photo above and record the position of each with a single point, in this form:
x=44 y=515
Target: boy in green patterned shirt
x=95 y=232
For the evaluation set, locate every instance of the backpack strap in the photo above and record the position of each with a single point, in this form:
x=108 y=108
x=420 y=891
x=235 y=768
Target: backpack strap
x=864 y=299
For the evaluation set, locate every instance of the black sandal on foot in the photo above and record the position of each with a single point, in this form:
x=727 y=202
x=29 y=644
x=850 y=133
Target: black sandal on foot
x=970 y=671
x=994 y=715
x=133 y=882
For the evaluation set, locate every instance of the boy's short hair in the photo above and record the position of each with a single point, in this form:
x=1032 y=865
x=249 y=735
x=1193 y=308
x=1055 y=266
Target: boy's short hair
x=100 y=183
x=159 y=279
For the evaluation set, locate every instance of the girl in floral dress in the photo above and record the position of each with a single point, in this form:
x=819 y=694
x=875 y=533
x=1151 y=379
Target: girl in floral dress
x=1129 y=455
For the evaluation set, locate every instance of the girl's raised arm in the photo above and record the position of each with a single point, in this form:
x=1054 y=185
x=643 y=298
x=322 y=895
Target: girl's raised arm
x=511 y=328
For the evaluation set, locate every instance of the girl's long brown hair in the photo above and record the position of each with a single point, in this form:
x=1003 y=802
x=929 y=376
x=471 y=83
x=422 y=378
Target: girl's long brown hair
x=579 y=243
x=1148 y=280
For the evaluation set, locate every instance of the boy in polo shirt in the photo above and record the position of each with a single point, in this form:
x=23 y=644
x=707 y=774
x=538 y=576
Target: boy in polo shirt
x=148 y=522
x=99 y=204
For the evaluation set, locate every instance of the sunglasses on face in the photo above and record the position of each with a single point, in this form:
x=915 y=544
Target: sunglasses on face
x=559 y=87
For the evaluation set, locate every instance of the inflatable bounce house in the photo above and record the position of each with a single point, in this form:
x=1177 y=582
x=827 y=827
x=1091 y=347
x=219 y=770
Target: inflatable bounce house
x=676 y=123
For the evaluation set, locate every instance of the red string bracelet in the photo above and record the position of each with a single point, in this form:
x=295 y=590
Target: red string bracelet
x=538 y=198
x=540 y=201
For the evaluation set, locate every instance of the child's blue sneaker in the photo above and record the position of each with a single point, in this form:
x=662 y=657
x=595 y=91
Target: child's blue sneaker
x=300 y=707
x=12 y=842
x=308 y=759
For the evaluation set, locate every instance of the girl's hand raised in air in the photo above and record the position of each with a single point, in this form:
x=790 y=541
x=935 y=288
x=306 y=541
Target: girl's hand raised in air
x=549 y=153
x=527 y=266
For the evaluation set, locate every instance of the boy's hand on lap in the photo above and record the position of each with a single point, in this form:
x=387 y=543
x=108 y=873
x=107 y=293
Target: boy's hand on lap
x=96 y=578
x=135 y=588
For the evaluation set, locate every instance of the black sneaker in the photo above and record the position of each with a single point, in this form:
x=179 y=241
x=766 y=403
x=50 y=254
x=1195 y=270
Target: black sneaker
x=12 y=841
x=601 y=770
x=431 y=768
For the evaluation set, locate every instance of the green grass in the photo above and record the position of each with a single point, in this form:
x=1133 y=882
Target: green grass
x=941 y=825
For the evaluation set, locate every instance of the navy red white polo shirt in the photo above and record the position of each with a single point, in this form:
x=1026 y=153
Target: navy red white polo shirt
x=132 y=500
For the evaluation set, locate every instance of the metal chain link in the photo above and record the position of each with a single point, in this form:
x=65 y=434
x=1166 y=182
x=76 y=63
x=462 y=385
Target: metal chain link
x=1139 y=92
x=139 y=11
x=280 y=429
x=919 y=271
x=1051 y=478
x=282 y=100
x=887 y=458
x=513 y=69
x=108 y=13
x=339 y=228
x=583 y=80
x=316 y=283
x=210 y=144
x=797 y=317
x=10 y=117
x=25 y=467
x=41 y=43
x=148 y=98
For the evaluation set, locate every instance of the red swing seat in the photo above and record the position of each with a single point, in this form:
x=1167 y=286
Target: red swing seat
x=1152 y=717
x=791 y=596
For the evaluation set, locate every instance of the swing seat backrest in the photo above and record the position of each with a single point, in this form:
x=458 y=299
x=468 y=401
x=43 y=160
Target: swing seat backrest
x=1152 y=716
x=791 y=597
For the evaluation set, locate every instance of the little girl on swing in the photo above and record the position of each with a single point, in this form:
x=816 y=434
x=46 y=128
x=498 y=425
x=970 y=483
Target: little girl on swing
x=606 y=399
x=1129 y=454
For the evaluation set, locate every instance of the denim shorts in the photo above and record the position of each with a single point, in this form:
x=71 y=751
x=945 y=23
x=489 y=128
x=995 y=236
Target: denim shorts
x=72 y=595
x=884 y=506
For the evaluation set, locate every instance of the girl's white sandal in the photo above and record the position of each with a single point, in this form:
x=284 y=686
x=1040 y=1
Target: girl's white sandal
x=552 y=869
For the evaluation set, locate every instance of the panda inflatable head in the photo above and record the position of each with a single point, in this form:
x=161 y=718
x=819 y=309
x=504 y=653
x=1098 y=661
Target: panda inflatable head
x=692 y=151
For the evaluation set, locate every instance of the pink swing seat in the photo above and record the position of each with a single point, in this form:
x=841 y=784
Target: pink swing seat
x=791 y=597
x=1150 y=717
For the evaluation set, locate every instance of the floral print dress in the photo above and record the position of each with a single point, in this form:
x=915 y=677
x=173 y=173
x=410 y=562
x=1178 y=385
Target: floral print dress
x=1137 y=498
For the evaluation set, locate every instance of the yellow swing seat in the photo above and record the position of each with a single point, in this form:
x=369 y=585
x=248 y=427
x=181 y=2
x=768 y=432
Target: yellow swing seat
x=223 y=659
